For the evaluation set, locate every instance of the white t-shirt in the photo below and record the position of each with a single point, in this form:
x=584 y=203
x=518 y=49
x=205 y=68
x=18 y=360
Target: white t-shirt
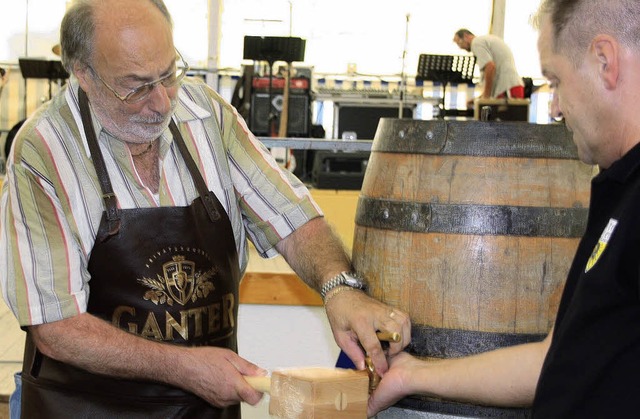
x=489 y=48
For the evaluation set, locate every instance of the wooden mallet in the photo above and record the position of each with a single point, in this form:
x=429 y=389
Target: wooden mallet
x=321 y=392
x=328 y=393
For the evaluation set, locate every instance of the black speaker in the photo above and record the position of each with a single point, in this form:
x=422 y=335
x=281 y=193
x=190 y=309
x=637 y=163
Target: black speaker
x=363 y=119
x=339 y=170
x=298 y=122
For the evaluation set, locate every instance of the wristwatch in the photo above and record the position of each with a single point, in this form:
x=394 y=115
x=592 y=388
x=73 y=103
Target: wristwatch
x=350 y=279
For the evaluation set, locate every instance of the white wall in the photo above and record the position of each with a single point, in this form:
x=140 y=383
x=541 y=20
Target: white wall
x=368 y=33
x=281 y=337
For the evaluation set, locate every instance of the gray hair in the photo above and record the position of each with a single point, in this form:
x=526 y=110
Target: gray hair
x=78 y=28
x=576 y=22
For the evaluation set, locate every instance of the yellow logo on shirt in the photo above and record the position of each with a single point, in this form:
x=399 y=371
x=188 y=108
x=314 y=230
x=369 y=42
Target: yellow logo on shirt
x=602 y=244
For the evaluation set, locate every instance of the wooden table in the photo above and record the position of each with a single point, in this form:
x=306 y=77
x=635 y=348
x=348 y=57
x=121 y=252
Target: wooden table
x=272 y=281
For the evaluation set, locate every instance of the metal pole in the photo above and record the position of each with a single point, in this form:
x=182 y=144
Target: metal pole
x=290 y=18
x=26 y=54
x=403 y=83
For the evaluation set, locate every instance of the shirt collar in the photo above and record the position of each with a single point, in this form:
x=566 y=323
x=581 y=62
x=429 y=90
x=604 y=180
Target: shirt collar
x=622 y=169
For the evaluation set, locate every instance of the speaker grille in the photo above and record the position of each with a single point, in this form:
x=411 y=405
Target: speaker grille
x=298 y=123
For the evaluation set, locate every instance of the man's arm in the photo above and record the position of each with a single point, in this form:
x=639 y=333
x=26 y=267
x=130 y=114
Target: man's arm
x=489 y=77
x=85 y=341
x=316 y=254
x=503 y=377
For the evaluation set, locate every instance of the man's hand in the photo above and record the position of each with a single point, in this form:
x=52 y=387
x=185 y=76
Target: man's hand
x=316 y=254
x=355 y=318
x=85 y=341
x=395 y=383
x=216 y=375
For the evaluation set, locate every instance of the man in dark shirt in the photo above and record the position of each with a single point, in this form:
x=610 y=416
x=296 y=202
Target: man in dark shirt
x=589 y=364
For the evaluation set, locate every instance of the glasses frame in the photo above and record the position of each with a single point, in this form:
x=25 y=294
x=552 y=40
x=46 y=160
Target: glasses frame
x=151 y=84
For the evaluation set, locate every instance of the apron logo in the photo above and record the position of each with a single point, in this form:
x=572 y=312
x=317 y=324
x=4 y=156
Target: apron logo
x=602 y=244
x=181 y=283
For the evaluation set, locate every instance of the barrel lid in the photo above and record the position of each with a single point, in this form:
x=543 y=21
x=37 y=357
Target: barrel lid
x=474 y=138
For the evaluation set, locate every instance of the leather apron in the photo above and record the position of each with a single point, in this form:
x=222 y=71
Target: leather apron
x=166 y=273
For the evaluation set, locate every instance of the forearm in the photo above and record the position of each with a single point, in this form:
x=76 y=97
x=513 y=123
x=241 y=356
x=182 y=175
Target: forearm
x=505 y=377
x=489 y=77
x=92 y=344
x=315 y=253
x=214 y=374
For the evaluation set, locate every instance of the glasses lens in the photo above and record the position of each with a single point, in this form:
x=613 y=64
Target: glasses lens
x=175 y=77
x=169 y=81
x=138 y=94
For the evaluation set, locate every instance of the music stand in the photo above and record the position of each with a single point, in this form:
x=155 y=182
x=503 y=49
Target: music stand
x=42 y=69
x=446 y=69
x=272 y=49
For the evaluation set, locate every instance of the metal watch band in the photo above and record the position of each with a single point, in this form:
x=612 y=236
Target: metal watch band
x=349 y=279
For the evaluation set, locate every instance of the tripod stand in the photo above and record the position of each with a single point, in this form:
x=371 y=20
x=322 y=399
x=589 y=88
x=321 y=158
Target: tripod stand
x=446 y=69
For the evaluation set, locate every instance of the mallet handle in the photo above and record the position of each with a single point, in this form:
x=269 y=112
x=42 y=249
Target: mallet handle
x=259 y=382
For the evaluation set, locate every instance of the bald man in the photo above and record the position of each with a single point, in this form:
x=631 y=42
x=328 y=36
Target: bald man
x=128 y=203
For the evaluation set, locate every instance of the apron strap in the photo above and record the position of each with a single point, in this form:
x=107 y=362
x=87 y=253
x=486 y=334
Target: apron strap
x=110 y=200
x=207 y=197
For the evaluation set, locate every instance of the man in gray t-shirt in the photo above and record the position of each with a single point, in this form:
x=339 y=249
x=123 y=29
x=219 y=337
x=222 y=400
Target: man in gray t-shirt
x=496 y=63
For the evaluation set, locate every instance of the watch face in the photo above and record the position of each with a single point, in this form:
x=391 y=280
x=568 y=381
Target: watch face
x=343 y=278
x=354 y=282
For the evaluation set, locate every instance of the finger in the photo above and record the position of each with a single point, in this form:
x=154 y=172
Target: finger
x=390 y=334
x=373 y=349
x=399 y=320
x=373 y=405
x=245 y=367
x=248 y=394
x=353 y=350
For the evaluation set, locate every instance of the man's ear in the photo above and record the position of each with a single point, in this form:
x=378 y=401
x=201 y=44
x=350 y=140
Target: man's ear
x=607 y=53
x=82 y=73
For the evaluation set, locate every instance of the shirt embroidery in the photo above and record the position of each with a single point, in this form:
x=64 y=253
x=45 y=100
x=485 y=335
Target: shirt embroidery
x=602 y=244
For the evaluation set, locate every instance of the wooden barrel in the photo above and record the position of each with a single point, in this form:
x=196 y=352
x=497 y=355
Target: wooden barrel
x=470 y=227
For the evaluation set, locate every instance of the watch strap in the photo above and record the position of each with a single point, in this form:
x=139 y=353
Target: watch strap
x=349 y=279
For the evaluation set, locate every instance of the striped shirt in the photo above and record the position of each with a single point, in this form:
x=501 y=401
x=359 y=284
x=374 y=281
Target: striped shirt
x=51 y=203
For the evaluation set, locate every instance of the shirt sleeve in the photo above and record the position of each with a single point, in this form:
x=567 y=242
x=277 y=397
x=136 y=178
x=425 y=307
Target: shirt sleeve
x=40 y=262
x=480 y=48
x=274 y=203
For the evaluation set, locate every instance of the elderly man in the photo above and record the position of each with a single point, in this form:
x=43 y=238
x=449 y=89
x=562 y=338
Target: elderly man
x=587 y=367
x=125 y=213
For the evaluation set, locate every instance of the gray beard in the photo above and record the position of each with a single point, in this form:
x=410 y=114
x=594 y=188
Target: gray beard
x=136 y=130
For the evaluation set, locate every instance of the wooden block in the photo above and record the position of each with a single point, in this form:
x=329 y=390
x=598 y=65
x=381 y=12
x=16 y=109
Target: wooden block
x=319 y=393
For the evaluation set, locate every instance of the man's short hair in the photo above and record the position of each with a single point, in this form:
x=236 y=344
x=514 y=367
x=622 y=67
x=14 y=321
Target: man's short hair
x=576 y=22
x=78 y=28
x=460 y=33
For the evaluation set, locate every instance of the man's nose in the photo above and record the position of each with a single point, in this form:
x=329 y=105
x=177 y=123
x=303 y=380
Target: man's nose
x=160 y=98
x=555 y=111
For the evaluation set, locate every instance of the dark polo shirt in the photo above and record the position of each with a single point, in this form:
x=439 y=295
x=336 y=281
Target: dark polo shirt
x=592 y=369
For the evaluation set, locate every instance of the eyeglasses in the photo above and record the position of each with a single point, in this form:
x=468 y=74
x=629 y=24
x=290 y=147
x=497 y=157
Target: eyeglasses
x=142 y=92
